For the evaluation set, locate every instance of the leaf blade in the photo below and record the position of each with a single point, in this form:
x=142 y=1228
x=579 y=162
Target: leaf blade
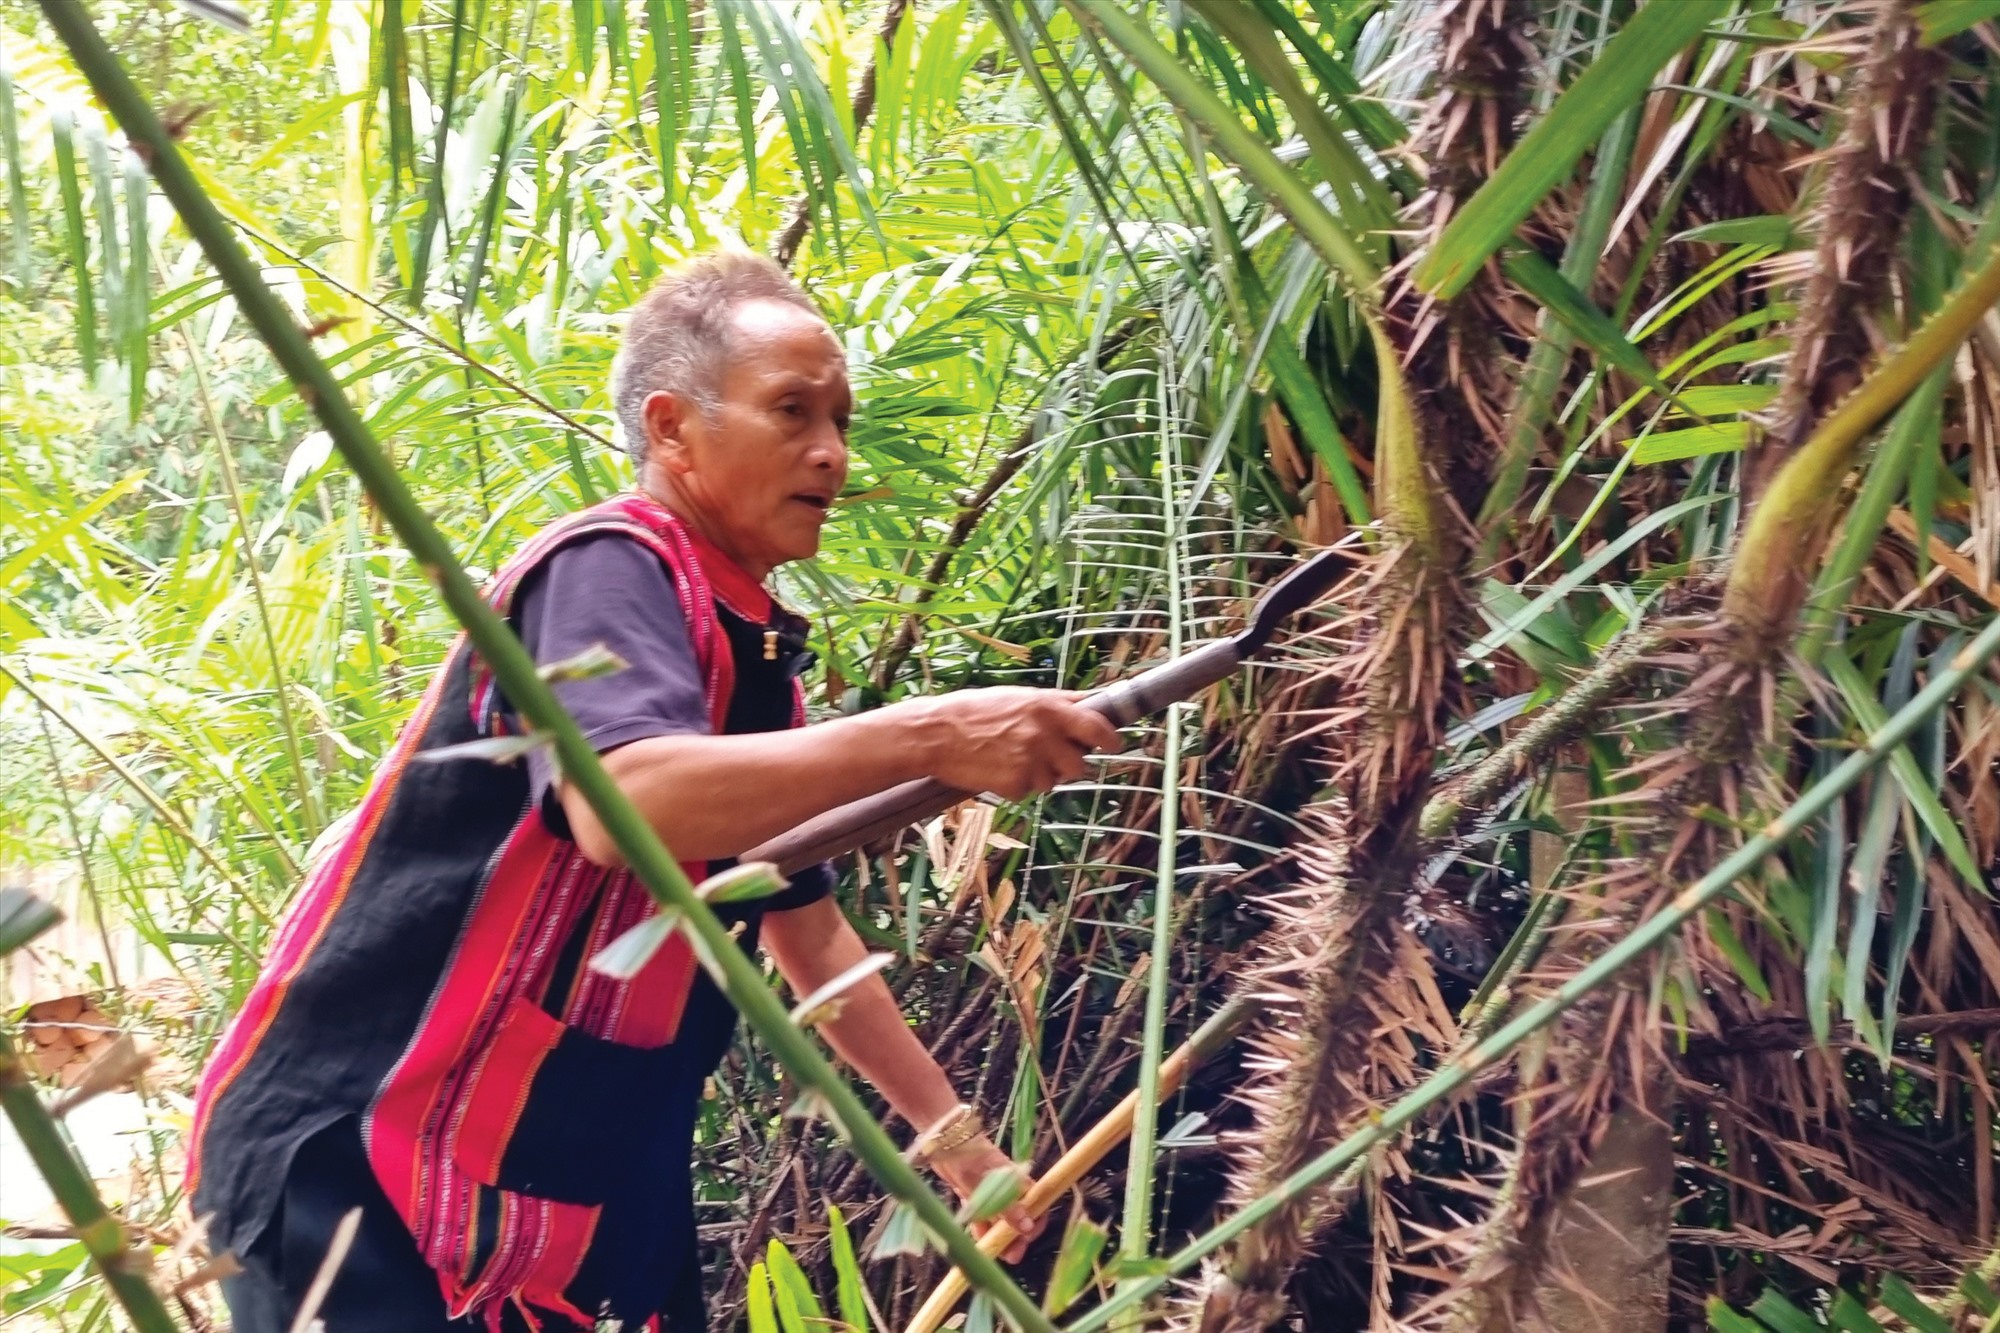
x=1617 y=79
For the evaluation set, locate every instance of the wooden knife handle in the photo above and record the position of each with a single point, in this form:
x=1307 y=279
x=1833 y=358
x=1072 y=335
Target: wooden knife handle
x=843 y=828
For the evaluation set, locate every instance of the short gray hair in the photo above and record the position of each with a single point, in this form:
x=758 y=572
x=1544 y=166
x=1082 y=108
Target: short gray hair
x=678 y=334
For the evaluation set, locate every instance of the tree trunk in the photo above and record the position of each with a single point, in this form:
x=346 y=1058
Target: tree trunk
x=1608 y=1266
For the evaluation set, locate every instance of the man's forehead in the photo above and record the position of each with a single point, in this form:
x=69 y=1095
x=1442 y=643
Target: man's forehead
x=774 y=338
x=779 y=320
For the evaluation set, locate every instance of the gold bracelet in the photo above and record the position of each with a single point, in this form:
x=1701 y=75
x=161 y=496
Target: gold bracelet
x=956 y=1128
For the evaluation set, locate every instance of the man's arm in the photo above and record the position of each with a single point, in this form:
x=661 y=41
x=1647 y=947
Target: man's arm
x=814 y=944
x=715 y=796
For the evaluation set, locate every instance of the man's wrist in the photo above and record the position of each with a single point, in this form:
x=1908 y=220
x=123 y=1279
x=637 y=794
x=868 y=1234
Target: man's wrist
x=911 y=736
x=949 y=1136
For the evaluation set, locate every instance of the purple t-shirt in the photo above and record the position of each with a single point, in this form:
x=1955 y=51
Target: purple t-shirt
x=610 y=590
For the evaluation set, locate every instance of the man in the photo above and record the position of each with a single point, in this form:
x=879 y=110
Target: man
x=428 y=1043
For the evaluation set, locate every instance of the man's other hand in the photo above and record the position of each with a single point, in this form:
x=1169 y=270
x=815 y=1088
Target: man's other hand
x=966 y=1167
x=1009 y=740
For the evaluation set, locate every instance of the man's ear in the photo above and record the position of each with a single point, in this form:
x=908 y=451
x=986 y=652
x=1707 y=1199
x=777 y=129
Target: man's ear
x=665 y=416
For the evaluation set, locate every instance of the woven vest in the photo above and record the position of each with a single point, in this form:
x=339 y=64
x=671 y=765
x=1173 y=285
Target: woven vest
x=531 y=1119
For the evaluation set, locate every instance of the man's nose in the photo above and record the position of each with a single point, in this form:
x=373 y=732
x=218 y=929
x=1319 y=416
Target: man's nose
x=829 y=449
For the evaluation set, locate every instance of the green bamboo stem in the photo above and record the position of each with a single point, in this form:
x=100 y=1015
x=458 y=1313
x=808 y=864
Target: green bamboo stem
x=1136 y=1231
x=515 y=670
x=1643 y=938
x=103 y=1235
x=1496 y=989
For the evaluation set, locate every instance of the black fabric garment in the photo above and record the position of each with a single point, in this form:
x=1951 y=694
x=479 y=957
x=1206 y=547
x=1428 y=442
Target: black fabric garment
x=382 y=1285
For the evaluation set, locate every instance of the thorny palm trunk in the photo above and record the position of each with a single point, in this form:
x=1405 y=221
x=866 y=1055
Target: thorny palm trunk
x=1859 y=217
x=1599 y=1142
x=1863 y=209
x=1337 y=960
x=1580 y=1239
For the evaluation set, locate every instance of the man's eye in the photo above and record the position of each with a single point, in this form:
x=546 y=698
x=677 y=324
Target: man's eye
x=841 y=424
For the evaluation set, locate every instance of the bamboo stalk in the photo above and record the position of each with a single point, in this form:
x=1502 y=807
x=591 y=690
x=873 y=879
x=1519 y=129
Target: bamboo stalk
x=1135 y=1232
x=515 y=670
x=1644 y=937
x=102 y=1234
x=1091 y=1149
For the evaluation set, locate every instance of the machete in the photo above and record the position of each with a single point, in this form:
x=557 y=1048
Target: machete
x=847 y=827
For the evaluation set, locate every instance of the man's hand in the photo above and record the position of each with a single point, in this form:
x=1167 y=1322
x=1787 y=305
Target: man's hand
x=965 y=1167
x=1009 y=740
x=812 y=945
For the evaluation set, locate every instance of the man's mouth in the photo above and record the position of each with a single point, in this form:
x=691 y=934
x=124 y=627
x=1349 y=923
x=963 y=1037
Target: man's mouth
x=817 y=501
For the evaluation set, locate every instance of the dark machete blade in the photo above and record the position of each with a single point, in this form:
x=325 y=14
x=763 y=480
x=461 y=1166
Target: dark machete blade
x=1291 y=594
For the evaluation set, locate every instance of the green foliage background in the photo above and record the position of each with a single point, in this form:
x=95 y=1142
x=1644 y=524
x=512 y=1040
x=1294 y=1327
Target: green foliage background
x=1115 y=300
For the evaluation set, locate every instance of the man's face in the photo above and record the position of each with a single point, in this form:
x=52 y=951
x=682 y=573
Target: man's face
x=759 y=477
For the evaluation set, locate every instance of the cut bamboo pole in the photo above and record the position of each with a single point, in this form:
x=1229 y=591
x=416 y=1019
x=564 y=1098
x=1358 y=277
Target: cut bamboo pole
x=1088 y=1151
